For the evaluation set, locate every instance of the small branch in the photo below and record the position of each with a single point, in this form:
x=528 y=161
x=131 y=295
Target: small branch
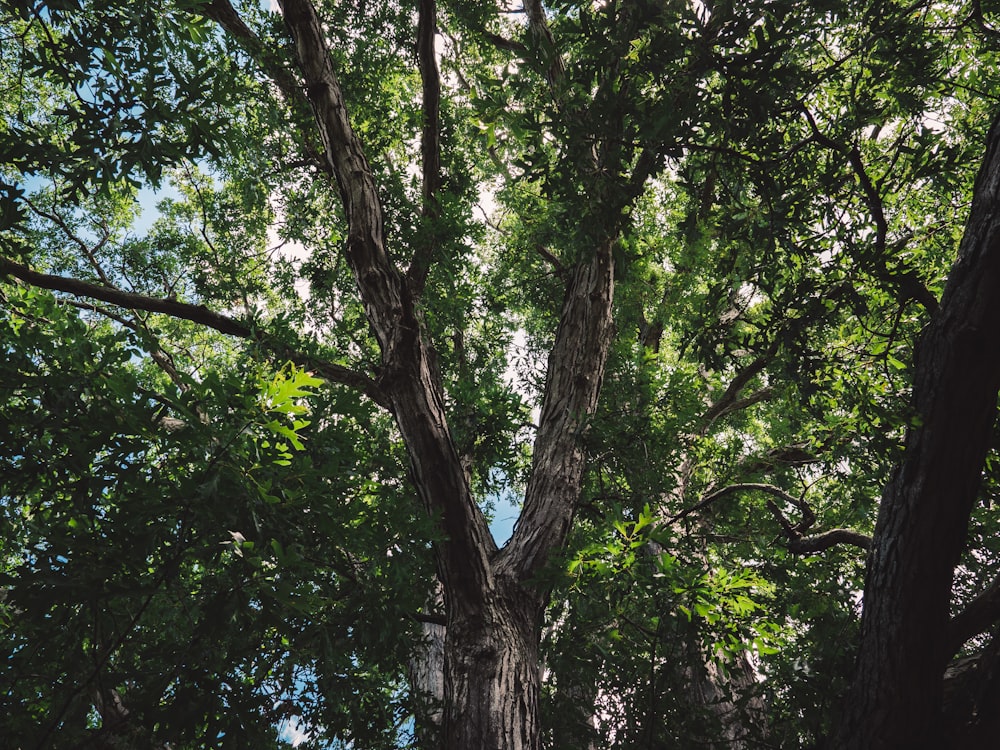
x=60 y=222
x=796 y=542
x=223 y=13
x=729 y=401
x=196 y=314
x=906 y=282
x=430 y=76
x=551 y=259
x=162 y=359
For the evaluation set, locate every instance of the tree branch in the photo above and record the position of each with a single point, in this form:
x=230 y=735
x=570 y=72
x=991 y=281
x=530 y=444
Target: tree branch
x=409 y=377
x=809 y=545
x=223 y=13
x=503 y=43
x=795 y=541
x=538 y=26
x=572 y=386
x=416 y=275
x=977 y=15
x=729 y=401
x=979 y=615
x=196 y=314
x=907 y=282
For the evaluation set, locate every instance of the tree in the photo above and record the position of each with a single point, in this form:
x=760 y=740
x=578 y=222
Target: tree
x=907 y=636
x=253 y=448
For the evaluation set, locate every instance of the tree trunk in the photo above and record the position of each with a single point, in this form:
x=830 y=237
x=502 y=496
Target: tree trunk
x=493 y=612
x=426 y=674
x=895 y=699
x=492 y=675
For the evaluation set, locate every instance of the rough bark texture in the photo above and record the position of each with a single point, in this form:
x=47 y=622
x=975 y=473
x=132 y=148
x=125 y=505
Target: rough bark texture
x=573 y=383
x=493 y=614
x=727 y=698
x=426 y=675
x=895 y=700
x=491 y=674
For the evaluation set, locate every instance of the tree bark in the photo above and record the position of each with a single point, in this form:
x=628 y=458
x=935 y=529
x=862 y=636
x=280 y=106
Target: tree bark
x=493 y=612
x=492 y=679
x=895 y=699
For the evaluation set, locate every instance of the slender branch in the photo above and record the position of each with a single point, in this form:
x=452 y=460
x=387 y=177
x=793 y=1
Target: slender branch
x=88 y=251
x=729 y=401
x=795 y=541
x=196 y=314
x=430 y=77
x=906 y=282
x=550 y=258
x=223 y=13
x=156 y=352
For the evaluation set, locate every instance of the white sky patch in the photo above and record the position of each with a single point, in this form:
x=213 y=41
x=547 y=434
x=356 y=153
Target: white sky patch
x=516 y=357
x=294 y=252
x=488 y=202
x=292 y=731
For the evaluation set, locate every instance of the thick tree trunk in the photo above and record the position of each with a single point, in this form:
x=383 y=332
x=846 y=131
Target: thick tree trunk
x=728 y=699
x=492 y=674
x=426 y=674
x=895 y=700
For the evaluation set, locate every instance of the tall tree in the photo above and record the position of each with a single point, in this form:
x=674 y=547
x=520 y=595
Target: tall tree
x=651 y=269
x=907 y=636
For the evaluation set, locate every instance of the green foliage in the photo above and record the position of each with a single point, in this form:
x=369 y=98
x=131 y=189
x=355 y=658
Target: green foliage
x=230 y=542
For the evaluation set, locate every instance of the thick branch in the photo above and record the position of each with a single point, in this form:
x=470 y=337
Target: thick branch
x=808 y=545
x=196 y=314
x=538 y=26
x=978 y=616
x=409 y=376
x=575 y=371
x=503 y=43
